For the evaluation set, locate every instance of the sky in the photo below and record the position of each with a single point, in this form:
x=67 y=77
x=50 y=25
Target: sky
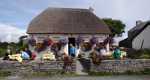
x=15 y=15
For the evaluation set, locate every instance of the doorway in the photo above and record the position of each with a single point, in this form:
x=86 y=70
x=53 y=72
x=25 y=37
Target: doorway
x=72 y=41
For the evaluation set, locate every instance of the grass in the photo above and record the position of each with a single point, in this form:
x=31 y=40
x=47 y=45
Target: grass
x=49 y=74
x=100 y=74
x=4 y=73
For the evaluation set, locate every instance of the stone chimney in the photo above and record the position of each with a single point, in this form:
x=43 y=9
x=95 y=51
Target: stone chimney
x=138 y=22
x=91 y=9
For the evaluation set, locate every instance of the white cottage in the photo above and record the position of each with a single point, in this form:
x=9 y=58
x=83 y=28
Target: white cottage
x=69 y=23
x=138 y=36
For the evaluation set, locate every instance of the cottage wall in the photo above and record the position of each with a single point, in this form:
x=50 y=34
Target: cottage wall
x=55 y=37
x=142 y=40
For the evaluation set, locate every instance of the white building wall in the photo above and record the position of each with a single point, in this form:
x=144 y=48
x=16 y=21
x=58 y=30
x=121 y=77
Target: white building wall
x=55 y=37
x=143 y=37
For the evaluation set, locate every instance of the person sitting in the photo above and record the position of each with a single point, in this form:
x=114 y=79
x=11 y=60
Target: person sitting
x=25 y=55
x=33 y=56
x=28 y=52
x=16 y=57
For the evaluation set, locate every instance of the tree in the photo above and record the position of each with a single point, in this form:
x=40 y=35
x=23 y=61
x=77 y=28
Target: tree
x=3 y=48
x=20 y=44
x=116 y=26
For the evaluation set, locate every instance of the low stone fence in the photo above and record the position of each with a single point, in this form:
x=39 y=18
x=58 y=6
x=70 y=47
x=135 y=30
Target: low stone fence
x=41 y=66
x=116 y=66
x=121 y=66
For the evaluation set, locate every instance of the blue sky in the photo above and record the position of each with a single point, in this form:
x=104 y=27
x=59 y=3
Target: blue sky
x=16 y=14
x=20 y=12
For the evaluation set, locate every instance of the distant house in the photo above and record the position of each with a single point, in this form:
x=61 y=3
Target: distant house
x=138 y=36
x=69 y=23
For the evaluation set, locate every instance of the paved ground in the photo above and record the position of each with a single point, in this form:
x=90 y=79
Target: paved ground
x=83 y=78
x=79 y=68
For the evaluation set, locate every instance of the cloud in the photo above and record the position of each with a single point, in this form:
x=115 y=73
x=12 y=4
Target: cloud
x=10 y=33
x=129 y=11
x=19 y=13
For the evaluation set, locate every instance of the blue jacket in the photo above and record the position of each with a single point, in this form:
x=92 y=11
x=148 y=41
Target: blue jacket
x=72 y=50
x=25 y=55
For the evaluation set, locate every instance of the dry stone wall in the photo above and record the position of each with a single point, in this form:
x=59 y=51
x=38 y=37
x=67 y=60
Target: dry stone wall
x=53 y=66
x=40 y=66
x=122 y=66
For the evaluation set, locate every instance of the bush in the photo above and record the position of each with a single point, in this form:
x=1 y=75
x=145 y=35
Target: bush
x=2 y=52
x=139 y=54
x=146 y=71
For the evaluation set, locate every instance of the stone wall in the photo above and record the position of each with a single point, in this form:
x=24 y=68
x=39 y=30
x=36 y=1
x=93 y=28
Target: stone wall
x=54 y=66
x=40 y=66
x=121 y=66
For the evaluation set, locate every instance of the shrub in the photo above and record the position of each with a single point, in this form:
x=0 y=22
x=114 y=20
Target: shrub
x=2 y=52
x=146 y=71
x=139 y=54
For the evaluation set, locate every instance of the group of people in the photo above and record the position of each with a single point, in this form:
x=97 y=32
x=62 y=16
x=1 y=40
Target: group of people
x=24 y=54
x=96 y=52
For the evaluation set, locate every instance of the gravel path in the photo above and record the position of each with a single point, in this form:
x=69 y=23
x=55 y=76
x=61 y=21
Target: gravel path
x=83 y=78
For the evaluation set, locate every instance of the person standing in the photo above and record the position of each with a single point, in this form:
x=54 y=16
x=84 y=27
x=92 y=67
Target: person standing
x=103 y=51
x=117 y=53
x=72 y=50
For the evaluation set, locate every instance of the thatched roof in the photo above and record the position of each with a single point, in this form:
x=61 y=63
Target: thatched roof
x=67 y=20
